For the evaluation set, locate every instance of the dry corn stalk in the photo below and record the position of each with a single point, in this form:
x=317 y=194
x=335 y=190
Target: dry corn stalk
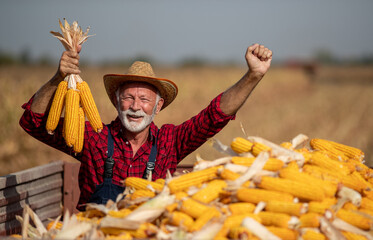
x=71 y=93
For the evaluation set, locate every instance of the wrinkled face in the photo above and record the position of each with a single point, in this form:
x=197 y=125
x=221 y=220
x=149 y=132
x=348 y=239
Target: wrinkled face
x=137 y=105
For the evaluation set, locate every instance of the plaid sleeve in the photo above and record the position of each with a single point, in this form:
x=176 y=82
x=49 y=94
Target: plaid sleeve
x=195 y=131
x=34 y=124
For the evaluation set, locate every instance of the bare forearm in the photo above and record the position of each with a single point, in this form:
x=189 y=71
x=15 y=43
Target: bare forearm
x=43 y=97
x=234 y=97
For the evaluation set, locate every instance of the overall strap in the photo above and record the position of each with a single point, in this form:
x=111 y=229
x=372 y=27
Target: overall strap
x=152 y=158
x=109 y=163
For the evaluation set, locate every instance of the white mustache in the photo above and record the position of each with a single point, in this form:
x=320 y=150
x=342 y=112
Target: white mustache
x=138 y=113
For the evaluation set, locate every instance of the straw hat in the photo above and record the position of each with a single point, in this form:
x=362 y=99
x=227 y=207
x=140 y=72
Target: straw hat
x=141 y=72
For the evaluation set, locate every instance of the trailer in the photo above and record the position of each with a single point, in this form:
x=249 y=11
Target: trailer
x=50 y=190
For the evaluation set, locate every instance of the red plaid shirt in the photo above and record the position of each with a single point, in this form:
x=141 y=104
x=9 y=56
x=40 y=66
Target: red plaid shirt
x=173 y=144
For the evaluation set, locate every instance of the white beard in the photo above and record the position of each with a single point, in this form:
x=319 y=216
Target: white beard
x=135 y=127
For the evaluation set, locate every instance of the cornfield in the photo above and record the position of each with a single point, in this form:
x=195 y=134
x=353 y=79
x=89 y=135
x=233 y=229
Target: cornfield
x=335 y=104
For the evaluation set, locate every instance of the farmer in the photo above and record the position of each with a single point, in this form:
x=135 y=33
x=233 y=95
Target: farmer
x=132 y=145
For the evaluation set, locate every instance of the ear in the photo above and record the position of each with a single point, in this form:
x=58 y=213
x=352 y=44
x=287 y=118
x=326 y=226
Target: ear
x=159 y=105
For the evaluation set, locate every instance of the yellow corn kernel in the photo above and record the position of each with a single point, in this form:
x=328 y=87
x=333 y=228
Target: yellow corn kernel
x=329 y=188
x=236 y=220
x=172 y=207
x=55 y=111
x=295 y=188
x=180 y=195
x=145 y=231
x=366 y=203
x=193 y=208
x=254 y=195
x=366 y=211
x=354 y=218
x=229 y=175
x=322 y=173
x=321 y=206
x=363 y=184
x=275 y=219
x=140 y=183
x=181 y=219
x=241 y=208
x=122 y=236
x=349 y=206
x=322 y=160
x=71 y=121
x=272 y=164
x=258 y=148
x=283 y=233
x=119 y=214
x=348 y=151
x=78 y=146
x=140 y=193
x=295 y=209
x=311 y=220
x=160 y=181
x=327 y=148
x=57 y=225
x=241 y=145
x=204 y=219
x=287 y=145
x=187 y=180
x=353 y=236
x=210 y=192
x=241 y=233
x=89 y=106
x=313 y=235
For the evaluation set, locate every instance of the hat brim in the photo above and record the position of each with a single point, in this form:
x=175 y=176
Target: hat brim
x=167 y=89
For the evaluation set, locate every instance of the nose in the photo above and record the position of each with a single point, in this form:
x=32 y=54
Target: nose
x=135 y=106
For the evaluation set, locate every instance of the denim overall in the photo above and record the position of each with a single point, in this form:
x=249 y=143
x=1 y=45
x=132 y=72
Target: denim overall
x=108 y=190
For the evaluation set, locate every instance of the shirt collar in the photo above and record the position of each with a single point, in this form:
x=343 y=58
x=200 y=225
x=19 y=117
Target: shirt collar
x=117 y=128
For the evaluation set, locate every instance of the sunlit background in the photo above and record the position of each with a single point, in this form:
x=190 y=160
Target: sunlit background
x=320 y=84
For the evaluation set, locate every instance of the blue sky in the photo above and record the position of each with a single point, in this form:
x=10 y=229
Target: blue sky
x=172 y=30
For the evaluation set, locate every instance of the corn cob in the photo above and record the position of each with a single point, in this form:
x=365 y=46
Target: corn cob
x=354 y=218
x=320 y=207
x=192 y=179
x=241 y=208
x=181 y=219
x=283 y=233
x=119 y=214
x=287 y=145
x=311 y=220
x=258 y=148
x=71 y=120
x=234 y=221
x=349 y=206
x=204 y=219
x=328 y=187
x=295 y=188
x=140 y=193
x=193 y=208
x=322 y=160
x=348 y=151
x=272 y=164
x=241 y=145
x=89 y=106
x=366 y=203
x=241 y=233
x=294 y=209
x=210 y=192
x=139 y=183
x=122 y=236
x=312 y=235
x=353 y=236
x=229 y=175
x=78 y=146
x=56 y=107
x=275 y=219
x=253 y=195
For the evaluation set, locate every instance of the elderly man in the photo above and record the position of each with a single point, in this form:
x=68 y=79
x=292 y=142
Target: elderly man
x=132 y=145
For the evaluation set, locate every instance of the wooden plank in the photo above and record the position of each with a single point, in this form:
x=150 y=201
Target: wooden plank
x=17 y=193
x=71 y=185
x=30 y=174
x=14 y=227
x=35 y=202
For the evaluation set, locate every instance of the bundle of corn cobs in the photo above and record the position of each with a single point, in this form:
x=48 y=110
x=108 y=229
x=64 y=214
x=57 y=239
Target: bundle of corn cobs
x=71 y=93
x=302 y=189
